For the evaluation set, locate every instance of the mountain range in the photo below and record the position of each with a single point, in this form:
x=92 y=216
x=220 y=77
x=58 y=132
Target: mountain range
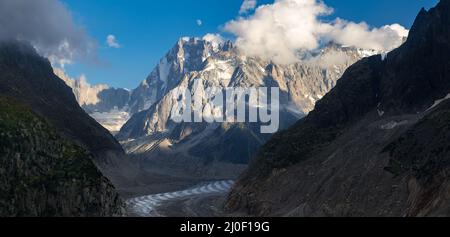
x=149 y=133
x=362 y=133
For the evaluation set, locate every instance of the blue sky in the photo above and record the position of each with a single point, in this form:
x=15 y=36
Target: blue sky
x=146 y=29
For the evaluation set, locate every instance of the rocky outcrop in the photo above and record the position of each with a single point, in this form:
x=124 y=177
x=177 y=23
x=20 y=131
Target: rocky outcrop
x=45 y=175
x=373 y=146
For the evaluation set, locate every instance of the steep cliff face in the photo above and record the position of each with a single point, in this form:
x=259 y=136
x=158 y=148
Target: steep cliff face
x=374 y=146
x=43 y=174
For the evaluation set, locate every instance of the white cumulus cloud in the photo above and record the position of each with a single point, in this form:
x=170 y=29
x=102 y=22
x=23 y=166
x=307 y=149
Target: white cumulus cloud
x=112 y=42
x=280 y=30
x=214 y=39
x=247 y=6
x=49 y=26
x=199 y=22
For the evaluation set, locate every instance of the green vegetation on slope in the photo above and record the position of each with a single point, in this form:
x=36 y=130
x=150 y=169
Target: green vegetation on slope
x=42 y=174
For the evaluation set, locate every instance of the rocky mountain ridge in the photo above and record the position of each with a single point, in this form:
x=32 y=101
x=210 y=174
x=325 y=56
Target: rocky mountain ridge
x=374 y=146
x=221 y=65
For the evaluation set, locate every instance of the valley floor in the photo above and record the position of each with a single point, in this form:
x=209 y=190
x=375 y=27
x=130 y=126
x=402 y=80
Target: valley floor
x=202 y=200
x=178 y=187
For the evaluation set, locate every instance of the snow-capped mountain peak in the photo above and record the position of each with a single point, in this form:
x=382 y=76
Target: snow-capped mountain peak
x=218 y=63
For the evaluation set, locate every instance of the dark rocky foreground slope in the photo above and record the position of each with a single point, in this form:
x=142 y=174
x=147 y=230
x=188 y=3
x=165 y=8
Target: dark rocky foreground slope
x=43 y=174
x=376 y=145
x=29 y=78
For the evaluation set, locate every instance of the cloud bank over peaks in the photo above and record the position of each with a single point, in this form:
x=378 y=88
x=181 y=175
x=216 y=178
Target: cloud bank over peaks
x=215 y=39
x=280 y=30
x=48 y=25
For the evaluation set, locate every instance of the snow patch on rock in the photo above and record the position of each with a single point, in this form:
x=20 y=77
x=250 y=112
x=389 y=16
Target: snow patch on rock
x=393 y=124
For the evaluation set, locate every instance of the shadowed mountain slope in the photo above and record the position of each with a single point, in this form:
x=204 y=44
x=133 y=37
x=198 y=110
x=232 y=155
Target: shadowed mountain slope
x=373 y=146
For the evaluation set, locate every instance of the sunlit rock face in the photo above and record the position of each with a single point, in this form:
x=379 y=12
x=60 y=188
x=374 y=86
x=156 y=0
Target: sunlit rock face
x=108 y=106
x=221 y=65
